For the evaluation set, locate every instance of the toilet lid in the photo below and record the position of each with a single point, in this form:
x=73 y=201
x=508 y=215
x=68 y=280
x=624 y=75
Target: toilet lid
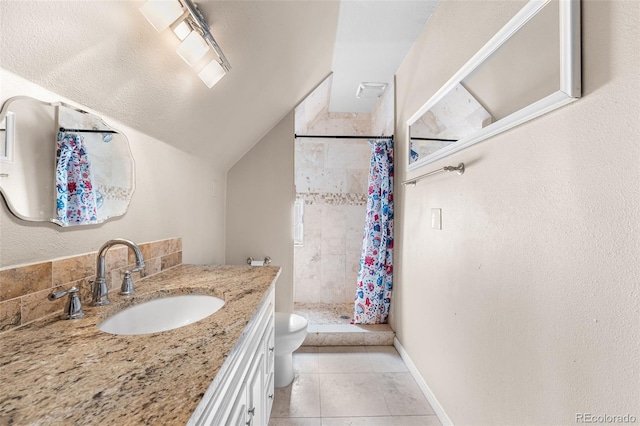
x=289 y=323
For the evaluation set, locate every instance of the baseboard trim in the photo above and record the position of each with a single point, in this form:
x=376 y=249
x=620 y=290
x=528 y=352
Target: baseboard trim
x=426 y=390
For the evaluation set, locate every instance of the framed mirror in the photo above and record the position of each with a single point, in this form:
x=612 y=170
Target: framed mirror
x=530 y=67
x=61 y=164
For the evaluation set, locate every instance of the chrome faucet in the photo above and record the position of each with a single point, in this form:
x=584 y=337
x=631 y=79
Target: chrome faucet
x=100 y=291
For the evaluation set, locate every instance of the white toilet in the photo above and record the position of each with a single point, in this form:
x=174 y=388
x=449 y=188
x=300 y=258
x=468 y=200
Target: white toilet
x=291 y=330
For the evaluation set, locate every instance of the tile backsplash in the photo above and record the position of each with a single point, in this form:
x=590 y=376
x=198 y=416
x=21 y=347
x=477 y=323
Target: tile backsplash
x=24 y=289
x=331 y=176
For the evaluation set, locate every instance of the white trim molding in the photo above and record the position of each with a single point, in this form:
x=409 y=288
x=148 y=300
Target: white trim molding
x=424 y=387
x=569 y=75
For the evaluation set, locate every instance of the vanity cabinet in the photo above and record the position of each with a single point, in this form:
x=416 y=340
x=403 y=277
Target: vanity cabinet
x=238 y=415
x=242 y=392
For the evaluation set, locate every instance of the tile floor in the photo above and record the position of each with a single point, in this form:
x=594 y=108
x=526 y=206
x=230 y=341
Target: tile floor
x=351 y=385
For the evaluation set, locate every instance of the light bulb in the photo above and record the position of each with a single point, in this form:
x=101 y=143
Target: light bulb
x=182 y=30
x=193 y=48
x=161 y=13
x=211 y=73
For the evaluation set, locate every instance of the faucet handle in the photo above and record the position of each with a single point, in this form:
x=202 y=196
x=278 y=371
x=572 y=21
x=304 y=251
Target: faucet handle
x=73 y=309
x=126 y=289
x=140 y=267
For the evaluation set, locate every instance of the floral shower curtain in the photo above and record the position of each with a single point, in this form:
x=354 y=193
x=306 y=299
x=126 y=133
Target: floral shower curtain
x=373 y=293
x=75 y=200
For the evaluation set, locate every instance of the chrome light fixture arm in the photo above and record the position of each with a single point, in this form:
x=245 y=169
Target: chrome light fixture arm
x=202 y=25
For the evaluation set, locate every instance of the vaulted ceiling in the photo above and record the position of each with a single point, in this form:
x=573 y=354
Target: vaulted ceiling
x=104 y=55
x=372 y=40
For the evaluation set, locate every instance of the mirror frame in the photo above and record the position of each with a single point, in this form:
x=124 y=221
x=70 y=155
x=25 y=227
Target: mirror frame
x=59 y=104
x=570 y=78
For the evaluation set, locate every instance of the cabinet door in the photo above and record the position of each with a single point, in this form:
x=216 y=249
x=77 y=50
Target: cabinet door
x=255 y=391
x=270 y=393
x=269 y=347
x=238 y=416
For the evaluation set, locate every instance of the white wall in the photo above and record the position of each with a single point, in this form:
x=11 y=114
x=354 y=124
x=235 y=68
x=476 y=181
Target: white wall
x=260 y=196
x=177 y=195
x=524 y=308
x=382 y=116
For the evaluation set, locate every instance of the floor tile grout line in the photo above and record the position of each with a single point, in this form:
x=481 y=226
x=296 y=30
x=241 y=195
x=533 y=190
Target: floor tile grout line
x=369 y=356
x=391 y=416
x=384 y=397
x=320 y=393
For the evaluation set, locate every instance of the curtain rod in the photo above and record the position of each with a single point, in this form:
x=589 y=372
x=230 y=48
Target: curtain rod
x=434 y=139
x=342 y=137
x=62 y=129
x=459 y=168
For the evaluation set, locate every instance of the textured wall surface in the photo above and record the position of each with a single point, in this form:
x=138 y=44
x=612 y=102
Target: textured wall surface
x=260 y=197
x=313 y=116
x=382 y=116
x=524 y=308
x=176 y=195
x=331 y=178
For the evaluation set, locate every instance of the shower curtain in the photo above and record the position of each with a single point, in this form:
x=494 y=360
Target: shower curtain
x=76 y=199
x=373 y=292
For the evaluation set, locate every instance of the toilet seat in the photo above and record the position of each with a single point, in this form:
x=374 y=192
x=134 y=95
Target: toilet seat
x=287 y=324
x=290 y=331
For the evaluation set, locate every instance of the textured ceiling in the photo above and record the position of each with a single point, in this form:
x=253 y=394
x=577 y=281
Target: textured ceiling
x=104 y=55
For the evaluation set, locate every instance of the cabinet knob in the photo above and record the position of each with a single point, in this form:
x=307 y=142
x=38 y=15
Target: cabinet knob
x=252 y=411
x=270 y=396
x=271 y=348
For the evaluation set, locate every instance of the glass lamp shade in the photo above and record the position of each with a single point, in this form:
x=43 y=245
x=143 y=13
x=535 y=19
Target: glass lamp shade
x=161 y=13
x=182 y=30
x=192 y=48
x=211 y=73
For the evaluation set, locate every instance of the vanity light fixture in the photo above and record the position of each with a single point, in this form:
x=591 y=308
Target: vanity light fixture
x=198 y=48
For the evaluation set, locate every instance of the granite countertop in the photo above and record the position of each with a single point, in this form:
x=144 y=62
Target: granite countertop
x=55 y=371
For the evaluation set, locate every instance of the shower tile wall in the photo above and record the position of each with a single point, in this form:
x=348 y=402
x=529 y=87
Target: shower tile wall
x=331 y=178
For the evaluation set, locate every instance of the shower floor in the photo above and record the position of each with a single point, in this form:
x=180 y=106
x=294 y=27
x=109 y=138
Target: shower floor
x=325 y=313
x=329 y=325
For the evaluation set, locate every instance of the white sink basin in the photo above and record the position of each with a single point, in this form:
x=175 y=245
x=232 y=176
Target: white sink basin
x=162 y=314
